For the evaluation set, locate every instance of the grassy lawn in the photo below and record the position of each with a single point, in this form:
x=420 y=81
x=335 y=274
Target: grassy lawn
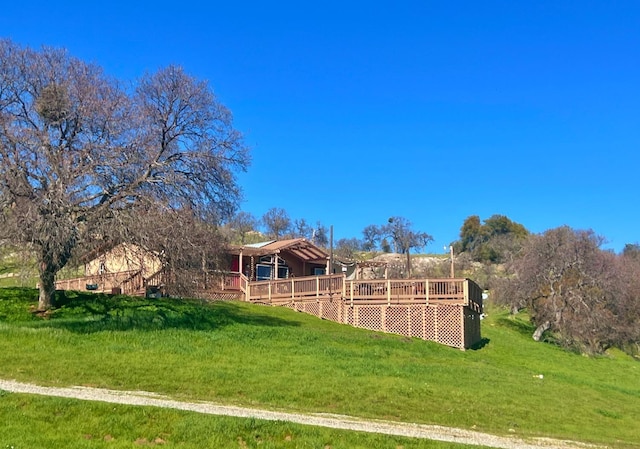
x=236 y=353
x=33 y=421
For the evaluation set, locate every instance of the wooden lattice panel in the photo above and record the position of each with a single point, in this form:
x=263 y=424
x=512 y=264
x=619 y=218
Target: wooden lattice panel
x=349 y=316
x=313 y=308
x=292 y=305
x=332 y=310
x=449 y=322
x=369 y=317
x=416 y=320
x=397 y=320
x=430 y=323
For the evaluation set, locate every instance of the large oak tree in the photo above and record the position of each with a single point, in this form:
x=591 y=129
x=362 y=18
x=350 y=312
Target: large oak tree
x=82 y=156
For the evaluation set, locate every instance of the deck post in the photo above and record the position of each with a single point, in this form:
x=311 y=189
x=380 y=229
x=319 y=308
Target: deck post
x=351 y=292
x=426 y=290
x=465 y=289
x=269 y=292
x=388 y=292
x=317 y=286
x=293 y=295
x=462 y=333
x=435 y=323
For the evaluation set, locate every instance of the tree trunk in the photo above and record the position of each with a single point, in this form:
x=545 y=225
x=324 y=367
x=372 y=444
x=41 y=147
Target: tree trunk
x=537 y=335
x=47 y=289
x=408 y=264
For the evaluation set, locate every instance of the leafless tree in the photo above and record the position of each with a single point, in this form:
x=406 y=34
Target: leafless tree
x=301 y=228
x=405 y=238
x=241 y=225
x=320 y=235
x=277 y=223
x=81 y=156
x=348 y=249
x=569 y=286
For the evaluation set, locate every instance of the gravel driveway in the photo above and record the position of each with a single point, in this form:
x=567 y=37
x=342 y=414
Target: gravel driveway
x=438 y=433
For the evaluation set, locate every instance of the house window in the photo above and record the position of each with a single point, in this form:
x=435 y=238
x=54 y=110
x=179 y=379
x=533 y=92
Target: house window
x=318 y=271
x=263 y=272
x=283 y=272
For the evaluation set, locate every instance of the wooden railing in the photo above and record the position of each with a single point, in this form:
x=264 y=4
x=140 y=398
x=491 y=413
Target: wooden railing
x=103 y=283
x=358 y=292
x=133 y=283
x=283 y=290
x=231 y=281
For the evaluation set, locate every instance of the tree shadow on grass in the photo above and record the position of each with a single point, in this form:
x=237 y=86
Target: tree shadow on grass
x=86 y=313
x=517 y=324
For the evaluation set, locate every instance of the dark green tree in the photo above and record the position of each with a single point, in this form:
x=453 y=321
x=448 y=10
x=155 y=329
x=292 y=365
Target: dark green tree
x=495 y=240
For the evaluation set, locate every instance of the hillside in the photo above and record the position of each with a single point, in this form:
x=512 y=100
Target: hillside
x=236 y=353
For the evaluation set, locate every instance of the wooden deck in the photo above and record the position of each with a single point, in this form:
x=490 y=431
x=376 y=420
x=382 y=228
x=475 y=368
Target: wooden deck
x=372 y=292
x=443 y=310
x=447 y=311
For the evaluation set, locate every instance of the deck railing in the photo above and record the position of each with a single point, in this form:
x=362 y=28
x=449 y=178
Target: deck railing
x=103 y=283
x=358 y=292
x=283 y=290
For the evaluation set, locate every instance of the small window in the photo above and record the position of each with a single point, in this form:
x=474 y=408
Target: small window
x=317 y=271
x=283 y=272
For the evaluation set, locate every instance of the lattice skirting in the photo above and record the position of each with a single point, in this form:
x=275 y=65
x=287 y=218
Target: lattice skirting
x=451 y=325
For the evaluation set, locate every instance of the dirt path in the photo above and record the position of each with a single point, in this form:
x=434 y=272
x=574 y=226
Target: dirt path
x=438 y=433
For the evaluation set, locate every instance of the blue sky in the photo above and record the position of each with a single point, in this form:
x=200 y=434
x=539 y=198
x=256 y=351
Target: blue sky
x=434 y=111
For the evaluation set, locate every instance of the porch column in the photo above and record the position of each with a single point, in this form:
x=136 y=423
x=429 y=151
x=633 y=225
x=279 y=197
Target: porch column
x=328 y=269
x=240 y=265
x=275 y=266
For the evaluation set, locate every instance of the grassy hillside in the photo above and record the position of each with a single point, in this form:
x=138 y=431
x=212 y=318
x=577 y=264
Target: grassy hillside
x=56 y=423
x=275 y=358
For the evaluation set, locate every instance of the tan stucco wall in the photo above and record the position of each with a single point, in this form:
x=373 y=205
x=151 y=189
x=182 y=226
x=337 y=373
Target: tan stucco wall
x=124 y=257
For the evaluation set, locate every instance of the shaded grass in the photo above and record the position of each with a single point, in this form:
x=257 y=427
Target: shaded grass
x=33 y=421
x=236 y=353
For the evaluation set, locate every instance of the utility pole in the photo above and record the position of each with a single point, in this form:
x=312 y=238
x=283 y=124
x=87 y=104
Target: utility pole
x=330 y=263
x=451 y=253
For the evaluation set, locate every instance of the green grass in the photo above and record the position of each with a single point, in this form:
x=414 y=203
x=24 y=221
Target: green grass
x=237 y=353
x=31 y=421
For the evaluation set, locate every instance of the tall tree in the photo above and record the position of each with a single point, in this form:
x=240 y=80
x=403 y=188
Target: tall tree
x=348 y=248
x=372 y=235
x=276 y=222
x=405 y=238
x=79 y=153
x=301 y=228
x=495 y=240
x=241 y=225
x=320 y=235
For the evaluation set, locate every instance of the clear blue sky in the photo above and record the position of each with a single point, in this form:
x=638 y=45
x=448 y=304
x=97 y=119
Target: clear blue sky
x=357 y=111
